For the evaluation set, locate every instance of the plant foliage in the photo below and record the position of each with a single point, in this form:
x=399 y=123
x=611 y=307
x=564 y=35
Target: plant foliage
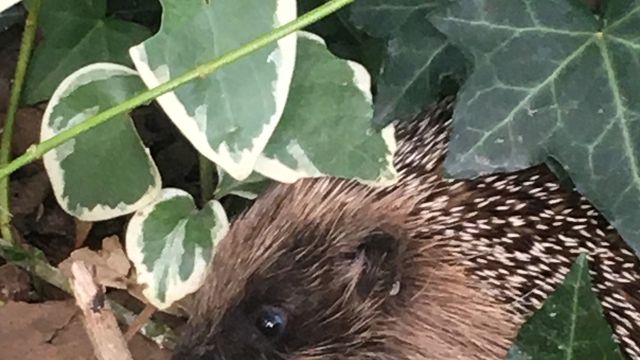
x=551 y=81
x=570 y=325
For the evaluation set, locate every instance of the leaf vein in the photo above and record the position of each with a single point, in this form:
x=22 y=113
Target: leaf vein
x=624 y=126
x=534 y=91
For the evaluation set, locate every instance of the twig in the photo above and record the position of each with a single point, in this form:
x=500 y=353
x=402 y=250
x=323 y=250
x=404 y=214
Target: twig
x=159 y=333
x=202 y=71
x=139 y=321
x=28 y=37
x=37 y=264
x=100 y=324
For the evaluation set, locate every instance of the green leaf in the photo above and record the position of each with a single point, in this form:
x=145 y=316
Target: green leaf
x=570 y=324
x=229 y=115
x=10 y=15
x=105 y=172
x=171 y=244
x=12 y=253
x=381 y=18
x=550 y=82
x=326 y=126
x=76 y=33
x=344 y=39
x=144 y=12
x=418 y=58
x=248 y=188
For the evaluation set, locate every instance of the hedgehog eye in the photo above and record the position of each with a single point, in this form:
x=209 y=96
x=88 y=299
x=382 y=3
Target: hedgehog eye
x=271 y=322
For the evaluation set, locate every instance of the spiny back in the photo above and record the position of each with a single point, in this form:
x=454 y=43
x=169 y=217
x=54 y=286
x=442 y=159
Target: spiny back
x=518 y=233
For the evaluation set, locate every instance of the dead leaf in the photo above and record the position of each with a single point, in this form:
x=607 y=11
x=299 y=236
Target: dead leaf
x=111 y=263
x=55 y=221
x=15 y=283
x=53 y=331
x=26 y=130
x=115 y=255
x=83 y=229
x=34 y=331
x=28 y=193
x=10 y=40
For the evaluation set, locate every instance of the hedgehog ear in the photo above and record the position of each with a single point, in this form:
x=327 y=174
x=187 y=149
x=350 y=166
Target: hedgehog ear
x=380 y=252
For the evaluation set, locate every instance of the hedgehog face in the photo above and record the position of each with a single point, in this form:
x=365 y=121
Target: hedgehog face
x=287 y=284
x=312 y=271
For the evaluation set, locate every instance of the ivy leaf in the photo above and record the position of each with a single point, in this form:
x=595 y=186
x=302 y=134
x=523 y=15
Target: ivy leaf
x=145 y=12
x=549 y=81
x=248 y=188
x=380 y=18
x=326 y=126
x=230 y=115
x=10 y=15
x=417 y=61
x=171 y=243
x=76 y=33
x=418 y=57
x=570 y=324
x=344 y=39
x=105 y=172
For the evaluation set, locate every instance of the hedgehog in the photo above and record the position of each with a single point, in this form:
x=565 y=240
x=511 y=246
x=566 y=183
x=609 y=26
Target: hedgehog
x=426 y=268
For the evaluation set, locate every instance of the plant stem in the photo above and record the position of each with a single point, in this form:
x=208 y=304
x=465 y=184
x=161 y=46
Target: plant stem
x=201 y=71
x=28 y=37
x=33 y=261
x=206 y=180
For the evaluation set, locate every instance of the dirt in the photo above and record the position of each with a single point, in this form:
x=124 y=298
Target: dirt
x=15 y=284
x=53 y=330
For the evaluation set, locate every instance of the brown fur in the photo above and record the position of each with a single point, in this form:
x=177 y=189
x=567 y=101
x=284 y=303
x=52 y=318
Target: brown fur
x=439 y=313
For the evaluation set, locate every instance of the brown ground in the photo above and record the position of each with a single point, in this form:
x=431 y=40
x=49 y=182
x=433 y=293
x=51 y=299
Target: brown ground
x=53 y=330
x=38 y=321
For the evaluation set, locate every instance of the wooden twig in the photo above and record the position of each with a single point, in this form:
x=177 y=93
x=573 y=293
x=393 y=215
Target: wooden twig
x=100 y=324
x=34 y=262
x=139 y=321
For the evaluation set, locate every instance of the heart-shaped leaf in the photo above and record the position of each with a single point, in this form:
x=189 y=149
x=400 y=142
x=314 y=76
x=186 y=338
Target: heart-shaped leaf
x=7 y=4
x=230 y=115
x=76 y=33
x=248 y=188
x=105 y=172
x=417 y=61
x=382 y=17
x=570 y=324
x=326 y=126
x=9 y=14
x=552 y=80
x=171 y=244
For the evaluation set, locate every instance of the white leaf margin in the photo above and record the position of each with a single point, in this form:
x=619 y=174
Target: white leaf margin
x=5 y=4
x=52 y=159
x=239 y=190
x=286 y=11
x=276 y=170
x=176 y=288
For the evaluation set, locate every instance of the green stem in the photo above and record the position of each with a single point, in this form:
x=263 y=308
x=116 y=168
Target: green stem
x=206 y=180
x=28 y=37
x=201 y=71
